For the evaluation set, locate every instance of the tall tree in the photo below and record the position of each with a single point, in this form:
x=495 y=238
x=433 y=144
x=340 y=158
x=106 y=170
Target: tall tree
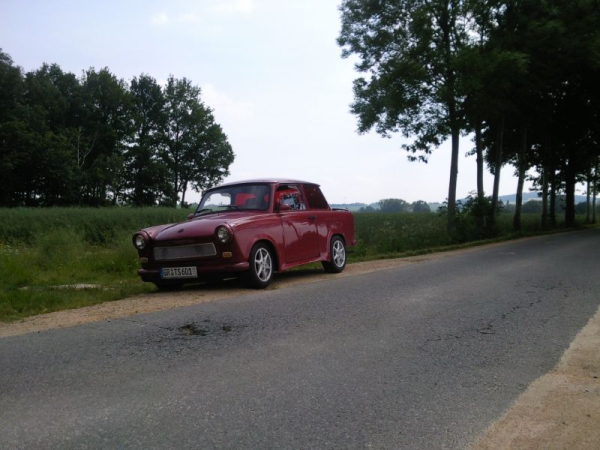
x=408 y=55
x=11 y=129
x=103 y=126
x=146 y=172
x=196 y=150
x=48 y=108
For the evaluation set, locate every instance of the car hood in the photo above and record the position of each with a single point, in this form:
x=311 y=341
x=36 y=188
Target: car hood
x=202 y=226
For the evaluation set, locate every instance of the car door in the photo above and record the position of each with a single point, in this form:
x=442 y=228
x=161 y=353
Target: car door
x=299 y=225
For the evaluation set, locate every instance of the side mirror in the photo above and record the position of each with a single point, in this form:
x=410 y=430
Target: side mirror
x=191 y=216
x=284 y=207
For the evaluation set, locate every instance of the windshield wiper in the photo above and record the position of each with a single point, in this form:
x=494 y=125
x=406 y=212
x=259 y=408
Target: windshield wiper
x=237 y=208
x=201 y=211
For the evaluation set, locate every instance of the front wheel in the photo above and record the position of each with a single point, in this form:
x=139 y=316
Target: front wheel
x=337 y=256
x=261 y=270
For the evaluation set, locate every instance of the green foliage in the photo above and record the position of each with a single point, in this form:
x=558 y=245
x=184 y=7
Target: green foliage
x=393 y=205
x=196 y=150
x=473 y=220
x=96 y=226
x=532 y=207
x=420 y=206
x=96 y=141
x=408 y=57
x=521 y=74
x=386 y=233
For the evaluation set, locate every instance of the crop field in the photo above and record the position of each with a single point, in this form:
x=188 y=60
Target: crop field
x=60 y=258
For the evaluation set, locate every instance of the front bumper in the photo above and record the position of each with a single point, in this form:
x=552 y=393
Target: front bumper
x=153 y=273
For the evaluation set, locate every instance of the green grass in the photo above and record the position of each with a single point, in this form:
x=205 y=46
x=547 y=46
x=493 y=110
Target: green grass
x=44 y=250
x=96 y=226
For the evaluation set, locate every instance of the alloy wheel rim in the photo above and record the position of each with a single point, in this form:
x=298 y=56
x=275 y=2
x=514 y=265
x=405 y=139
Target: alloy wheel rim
x=339 y=253
x=263 y=264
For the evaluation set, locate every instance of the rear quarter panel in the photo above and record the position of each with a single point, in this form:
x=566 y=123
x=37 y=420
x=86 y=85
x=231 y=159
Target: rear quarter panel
x=335 y=223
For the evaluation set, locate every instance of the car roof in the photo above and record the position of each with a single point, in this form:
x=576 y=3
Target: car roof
x=265 y=180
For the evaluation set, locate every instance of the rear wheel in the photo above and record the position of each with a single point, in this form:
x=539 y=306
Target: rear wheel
x=337 y=256
x=260 y=274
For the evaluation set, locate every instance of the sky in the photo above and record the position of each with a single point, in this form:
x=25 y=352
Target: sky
x=272 y=72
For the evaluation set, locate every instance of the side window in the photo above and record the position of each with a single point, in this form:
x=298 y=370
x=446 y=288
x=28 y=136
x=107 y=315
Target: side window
x=314 y=196
x=290 y=195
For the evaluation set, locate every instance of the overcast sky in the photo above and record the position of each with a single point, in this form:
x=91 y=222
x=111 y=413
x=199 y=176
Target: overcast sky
x=270 y=69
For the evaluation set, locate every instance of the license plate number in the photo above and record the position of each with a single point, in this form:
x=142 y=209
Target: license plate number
x=179 y=272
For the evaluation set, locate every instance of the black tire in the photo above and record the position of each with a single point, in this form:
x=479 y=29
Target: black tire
x=337 y=256
x=262 y=267
x=168 y=285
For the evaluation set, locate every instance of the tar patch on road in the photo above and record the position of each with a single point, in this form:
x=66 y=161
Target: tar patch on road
x=204 y=328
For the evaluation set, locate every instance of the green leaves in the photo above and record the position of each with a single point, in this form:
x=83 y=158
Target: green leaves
x=196 y=150
x=95 y=140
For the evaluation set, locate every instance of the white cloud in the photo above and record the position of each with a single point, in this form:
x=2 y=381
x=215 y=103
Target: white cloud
x=233 y=6
x=160 y=19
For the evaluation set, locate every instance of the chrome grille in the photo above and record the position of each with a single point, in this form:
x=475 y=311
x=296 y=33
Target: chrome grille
x=184 y=252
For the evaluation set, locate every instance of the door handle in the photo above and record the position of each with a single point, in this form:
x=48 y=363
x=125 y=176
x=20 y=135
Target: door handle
x=312 y=217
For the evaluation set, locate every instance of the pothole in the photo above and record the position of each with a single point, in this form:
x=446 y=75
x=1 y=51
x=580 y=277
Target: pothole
x=192 y=330
x=204 y=328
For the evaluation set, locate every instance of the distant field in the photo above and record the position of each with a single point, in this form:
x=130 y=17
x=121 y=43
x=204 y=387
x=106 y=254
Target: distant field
x=44 y=252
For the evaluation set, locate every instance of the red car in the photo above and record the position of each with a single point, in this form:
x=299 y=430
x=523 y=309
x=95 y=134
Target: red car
x=252 y=228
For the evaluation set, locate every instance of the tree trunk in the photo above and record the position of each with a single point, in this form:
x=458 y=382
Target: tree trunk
x=570 y=194
x=587 y=199
x=479 y=150
x=183 y=194
x=522 y=163
x=553 y=197
x=453 y=180
x=497 y=169
x=595 y=188
x=544 y=197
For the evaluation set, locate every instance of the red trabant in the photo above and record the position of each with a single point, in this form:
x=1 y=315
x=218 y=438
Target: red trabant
x=251 y=228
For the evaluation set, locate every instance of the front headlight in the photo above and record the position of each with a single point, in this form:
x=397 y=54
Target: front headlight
x=139 y=242
x=223 y=235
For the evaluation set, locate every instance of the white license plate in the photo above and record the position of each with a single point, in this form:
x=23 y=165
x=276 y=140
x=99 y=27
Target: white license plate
x=179 y=272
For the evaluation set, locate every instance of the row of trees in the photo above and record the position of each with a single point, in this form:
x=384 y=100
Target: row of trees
x=393 y=205
x=97 y=140
x=520 y=76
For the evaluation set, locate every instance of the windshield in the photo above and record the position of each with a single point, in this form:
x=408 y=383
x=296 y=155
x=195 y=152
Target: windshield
x=235 y=198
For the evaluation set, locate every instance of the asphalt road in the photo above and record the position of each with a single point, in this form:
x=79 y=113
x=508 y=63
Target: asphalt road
x=419 y=357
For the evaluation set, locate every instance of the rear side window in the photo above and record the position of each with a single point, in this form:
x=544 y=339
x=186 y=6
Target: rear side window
x=290 y=195
x=314 y=196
